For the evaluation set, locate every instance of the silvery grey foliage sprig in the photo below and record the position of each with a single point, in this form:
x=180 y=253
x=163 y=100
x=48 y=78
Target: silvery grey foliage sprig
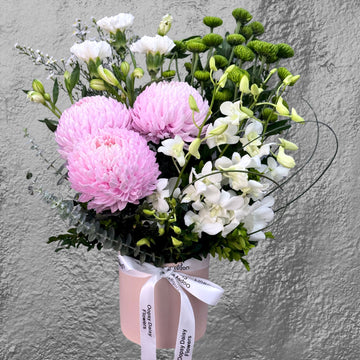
x=89 y=231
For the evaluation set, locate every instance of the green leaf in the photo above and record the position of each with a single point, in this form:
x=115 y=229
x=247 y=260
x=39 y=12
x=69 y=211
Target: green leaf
x=55 y=91
x=51 y=124
x=74 y=77
x=245 y=263
x=278 y=127
x=269 y=235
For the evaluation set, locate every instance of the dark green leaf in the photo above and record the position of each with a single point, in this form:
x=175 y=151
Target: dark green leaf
x=246 y=264
x=278 y=127
x=74 y=77
x=51 y=124
x=55 y=91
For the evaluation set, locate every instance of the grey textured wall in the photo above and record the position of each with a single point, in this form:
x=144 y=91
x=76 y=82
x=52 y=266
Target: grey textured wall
x=301 y=299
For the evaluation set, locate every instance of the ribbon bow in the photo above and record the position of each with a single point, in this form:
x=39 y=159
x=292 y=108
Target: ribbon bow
x=203 y=289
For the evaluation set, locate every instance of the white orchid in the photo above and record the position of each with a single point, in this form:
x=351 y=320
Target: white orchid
x=235 y=169
x=174 y=147
x=227 y=134
x=114 y=23
x=233 y=113
x=222 y=214
x=275 y=171
x=157 y=198
x=254 y=189
x=157 y=44
x=91 y=50
x=259 y=216
x=252 y=137
x=207 y=185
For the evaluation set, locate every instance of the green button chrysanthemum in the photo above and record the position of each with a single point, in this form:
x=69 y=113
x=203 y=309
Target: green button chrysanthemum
x=212 y=21
x=243 y=53
x=212 y=40
x=284 y=51
x=241 y=15
x=235 y=39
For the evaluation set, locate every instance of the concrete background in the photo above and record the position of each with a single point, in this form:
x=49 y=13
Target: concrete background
x=301 y=299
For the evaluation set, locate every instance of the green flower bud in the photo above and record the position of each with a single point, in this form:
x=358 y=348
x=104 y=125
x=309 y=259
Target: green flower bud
x=288 y=145
x=285 y=160
x=284 y=51
x=36 y=97
x=255 y=90
x=97 y=84
x=283 y=73
x=196 y=46
x=244 y=85
x=38 y=86
x=244 y=53
x=235 y=39
x=294 y=79
x=138 y=73
x=107 y=76
x=176 y=229
x=168 y=74
x=268 y=115
x=202 y=75
x=291 y=80
x=165 y=25
x=223 y=80
x=224 y=95
x=176 y=242
x=295 y=117
x=281 y=108
x=241 y=15
x=194 y=148
x=218 y=130
x=47 y=97
x=212 y=64
x=148 y=212
x=143 y=241
x=212 y=21
x=192 y=103
x=246 y=31
x=67 y=75
x=221 y=61
x=246 y=110
x=125 y=68
x=230 y=68
x=257 y=28
x=212 y=40
x=161 y=231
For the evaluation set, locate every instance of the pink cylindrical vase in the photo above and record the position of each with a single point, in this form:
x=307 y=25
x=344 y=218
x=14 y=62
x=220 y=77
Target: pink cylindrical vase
x=167 y=305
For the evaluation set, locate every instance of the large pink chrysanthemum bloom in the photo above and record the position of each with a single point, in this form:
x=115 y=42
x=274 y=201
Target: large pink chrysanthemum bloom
x=162 y=111
x=113 y=168
x=86 y=117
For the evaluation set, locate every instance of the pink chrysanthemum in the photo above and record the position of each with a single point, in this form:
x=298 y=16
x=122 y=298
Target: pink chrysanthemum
x=162 y=111
x=113 y=168
x=86 y=117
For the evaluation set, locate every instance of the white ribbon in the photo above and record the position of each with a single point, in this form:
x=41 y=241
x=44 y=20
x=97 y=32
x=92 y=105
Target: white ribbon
x=203 y=289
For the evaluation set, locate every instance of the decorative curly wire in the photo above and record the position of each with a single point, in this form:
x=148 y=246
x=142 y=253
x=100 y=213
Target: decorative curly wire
x=288 y=203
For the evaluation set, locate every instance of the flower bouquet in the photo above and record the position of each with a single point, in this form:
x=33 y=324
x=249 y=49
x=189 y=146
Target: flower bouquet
x=170 y=161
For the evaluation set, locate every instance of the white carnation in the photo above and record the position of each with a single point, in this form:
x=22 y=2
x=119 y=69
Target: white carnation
x=113 y=23
x=156 y=44
x=90 y=50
